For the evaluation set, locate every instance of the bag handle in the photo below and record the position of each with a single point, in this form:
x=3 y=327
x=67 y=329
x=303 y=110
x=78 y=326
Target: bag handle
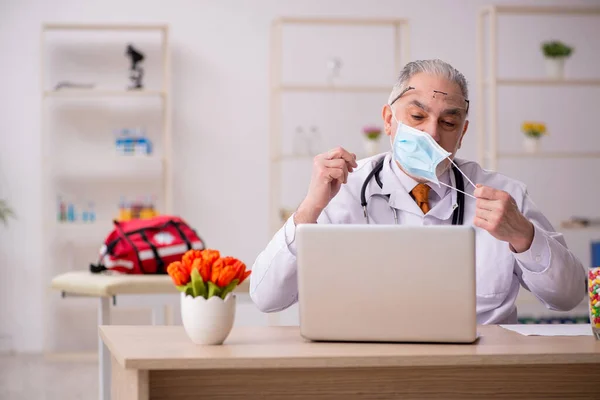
x=160 y=264
x=124 y=236
x=181 y=234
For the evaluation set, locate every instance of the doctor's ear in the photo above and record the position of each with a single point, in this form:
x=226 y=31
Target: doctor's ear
x=462 y=135
x=386 y=114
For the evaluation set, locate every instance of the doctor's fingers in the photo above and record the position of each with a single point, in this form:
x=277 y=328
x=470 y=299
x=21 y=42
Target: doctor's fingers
x=489 y=193
x=338 y=163
x=482 y=223
x=487 y=215
x=342 y=153
x=335 y=174
x=487 y=204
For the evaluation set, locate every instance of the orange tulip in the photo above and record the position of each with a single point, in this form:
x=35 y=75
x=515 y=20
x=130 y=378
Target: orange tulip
x=203 y=267
x=210 y=255
x=217 y=267
x=207 y=257
x=241 y=274
x=189 y=257
x=178 y=273
x=226 y=269
x=226 y=276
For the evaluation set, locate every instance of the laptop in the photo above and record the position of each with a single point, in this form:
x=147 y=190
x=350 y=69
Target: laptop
x=386 y=283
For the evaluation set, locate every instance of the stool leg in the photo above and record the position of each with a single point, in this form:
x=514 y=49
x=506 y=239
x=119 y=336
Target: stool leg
x=103 y=353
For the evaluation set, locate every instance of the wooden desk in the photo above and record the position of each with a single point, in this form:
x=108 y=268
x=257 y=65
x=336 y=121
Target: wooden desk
x=160 y=362
x=108 y=286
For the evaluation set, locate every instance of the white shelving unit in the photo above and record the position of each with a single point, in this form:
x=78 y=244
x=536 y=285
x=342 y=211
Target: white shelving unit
x=278 y=88
x=489 y=79
x=98 y=167
x=488 y=83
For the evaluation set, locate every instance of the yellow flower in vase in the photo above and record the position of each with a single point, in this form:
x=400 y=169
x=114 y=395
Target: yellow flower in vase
x=533 y=132
x=534 y=129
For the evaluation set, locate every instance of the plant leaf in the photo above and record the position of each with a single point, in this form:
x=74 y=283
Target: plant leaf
x=213 y=290
x=198 y=287
x=182 y=288
x=189 y=290
x=229 y=288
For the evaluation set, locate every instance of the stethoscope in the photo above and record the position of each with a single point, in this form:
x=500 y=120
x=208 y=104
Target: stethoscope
x=457 y=215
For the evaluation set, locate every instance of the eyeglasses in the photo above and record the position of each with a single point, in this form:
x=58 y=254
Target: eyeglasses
x=423 y=97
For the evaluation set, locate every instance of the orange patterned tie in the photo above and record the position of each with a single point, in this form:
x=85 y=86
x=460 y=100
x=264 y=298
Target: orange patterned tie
x=421 y=195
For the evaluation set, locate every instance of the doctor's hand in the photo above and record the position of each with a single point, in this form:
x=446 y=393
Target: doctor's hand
x=497 y=212
x=330 y=171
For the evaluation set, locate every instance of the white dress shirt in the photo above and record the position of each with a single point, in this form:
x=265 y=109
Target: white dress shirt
x=548 y=269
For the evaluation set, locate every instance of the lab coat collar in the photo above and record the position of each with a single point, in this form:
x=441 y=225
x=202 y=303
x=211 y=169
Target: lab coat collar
x=409 y=183
x=392 y=186
x=398 y=185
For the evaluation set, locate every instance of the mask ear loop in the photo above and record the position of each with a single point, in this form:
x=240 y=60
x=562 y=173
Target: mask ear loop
x=460 y=191
x=466 y=177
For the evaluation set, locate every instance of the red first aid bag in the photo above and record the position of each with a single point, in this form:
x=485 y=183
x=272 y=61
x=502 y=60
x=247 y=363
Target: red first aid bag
x=146 y=246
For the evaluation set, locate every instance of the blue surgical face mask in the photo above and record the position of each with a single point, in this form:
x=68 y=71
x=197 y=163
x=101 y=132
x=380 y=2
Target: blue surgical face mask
x=417 y=152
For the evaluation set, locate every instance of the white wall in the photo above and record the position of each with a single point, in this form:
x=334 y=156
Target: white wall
x=220 y=115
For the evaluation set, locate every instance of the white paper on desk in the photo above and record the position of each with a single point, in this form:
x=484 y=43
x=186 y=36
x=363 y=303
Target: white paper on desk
x=551 y=329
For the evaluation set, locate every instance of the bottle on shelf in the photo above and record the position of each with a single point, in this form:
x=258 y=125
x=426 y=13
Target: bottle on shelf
x=124 y=210
x=141 y=208
x=91 y=213
x=147 y=210
x=71 y=215
x=62 y=210
x=314 y=141
x=136 y=208
x=299 y=142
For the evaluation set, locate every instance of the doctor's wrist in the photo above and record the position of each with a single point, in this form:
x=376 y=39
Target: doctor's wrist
x=523 y=242
x=307 y=214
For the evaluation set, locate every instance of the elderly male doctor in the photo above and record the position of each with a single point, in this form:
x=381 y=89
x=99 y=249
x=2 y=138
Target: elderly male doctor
x=426 y=120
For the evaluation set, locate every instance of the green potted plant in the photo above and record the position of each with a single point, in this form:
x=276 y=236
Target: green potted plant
x=556 y=53
x=5 y=212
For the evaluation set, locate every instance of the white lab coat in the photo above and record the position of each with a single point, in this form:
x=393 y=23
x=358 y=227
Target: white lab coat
x=548 y=269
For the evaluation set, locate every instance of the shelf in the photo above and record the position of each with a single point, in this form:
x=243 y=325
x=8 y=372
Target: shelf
x=82 y=231
x=104 y=27
x=556 y=10
x=333 y=89
x=593 y=228
x=545 y=82
x=114 y=168
x=551 y=155
x=593 y=224
x=341 y=21
x=74 y=93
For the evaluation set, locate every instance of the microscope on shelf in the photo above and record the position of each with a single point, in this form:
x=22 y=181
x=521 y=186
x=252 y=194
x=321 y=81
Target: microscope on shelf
x=136 y=72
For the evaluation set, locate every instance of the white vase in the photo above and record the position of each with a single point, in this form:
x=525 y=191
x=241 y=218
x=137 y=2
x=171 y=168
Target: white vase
x=371 y=147
x=207 y=322
x=532 y=145
x=555 y=67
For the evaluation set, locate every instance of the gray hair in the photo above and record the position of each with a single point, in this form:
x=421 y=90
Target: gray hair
x=433 y=67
